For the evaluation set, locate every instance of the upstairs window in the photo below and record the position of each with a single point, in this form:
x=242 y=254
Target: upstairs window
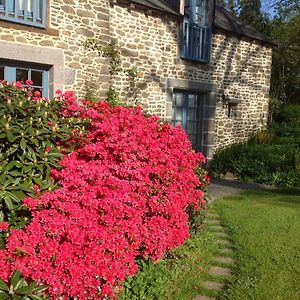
x=196 y=31
x=21 y=72
x=28 y=12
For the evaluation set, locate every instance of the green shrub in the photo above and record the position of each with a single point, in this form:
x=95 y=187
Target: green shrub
x=288 y=114
x=269 y=164
x=31 y=128
x=18 y=288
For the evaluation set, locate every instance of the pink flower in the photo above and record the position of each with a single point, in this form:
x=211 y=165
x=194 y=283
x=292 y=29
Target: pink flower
x=29 y=82
x=3 y=226
x=37 y=94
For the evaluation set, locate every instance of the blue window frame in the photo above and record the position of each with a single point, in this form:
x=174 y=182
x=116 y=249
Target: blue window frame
x=21 y=72
x=188 y=111
x=196 y=37
x=28 y=12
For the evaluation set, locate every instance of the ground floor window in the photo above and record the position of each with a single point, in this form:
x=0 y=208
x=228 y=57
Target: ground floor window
x=188 y=111
x=39 y=75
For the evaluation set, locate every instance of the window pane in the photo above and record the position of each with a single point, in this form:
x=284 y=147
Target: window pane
x=192 y=100
x=37 y=78
x=191 y=114
x=21 y=75
x=1 y=73
x=179 y=99
x=179 y=113
x=2 y=2
x=190 y=128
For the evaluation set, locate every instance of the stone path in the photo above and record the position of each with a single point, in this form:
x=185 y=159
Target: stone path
x=220 y=188
x=218 y=271
x=224 y=187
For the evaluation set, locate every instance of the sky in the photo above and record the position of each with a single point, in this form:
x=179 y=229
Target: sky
x=267 y=6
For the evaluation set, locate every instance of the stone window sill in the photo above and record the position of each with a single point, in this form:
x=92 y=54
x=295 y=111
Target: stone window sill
x=46 y=31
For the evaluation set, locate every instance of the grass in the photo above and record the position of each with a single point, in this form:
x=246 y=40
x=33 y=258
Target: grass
x=178 y=276
x=265 y=231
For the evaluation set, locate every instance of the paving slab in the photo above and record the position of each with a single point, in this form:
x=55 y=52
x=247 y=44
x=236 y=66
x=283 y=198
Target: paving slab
x=223 y=259
x=223 y=242
x=219 y=271
x=225 y=251
x=213 y=285
x=216 y=228
x=203 y=298
x=213 y=222
x=221 y=234
x=213 y=216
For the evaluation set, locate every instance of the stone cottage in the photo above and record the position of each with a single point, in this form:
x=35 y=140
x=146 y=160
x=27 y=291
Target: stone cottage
x=196 y=64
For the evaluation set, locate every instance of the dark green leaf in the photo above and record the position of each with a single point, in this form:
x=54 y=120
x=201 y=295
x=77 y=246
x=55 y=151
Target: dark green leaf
x=25 y=290
x=11 y=138
x=23 y=144
x=9 y=204
x=15 y=277
x=21 y=283
x=3 y=286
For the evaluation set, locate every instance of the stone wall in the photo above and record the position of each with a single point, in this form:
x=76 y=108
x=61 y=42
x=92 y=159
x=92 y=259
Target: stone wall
x=69 y=24
x=150 y=41
x=239 y=67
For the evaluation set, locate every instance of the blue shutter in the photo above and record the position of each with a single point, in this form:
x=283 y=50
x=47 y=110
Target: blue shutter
x=35 y=15
x=10 y=74
x=46 y=83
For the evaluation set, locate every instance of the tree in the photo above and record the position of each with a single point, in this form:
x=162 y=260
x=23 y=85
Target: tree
x=285 y=85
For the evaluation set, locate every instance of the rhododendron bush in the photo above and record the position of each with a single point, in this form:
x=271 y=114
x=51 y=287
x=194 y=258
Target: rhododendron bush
x=124 y=193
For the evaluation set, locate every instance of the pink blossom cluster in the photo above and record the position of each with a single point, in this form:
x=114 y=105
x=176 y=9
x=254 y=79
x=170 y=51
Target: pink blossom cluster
x=124 y=194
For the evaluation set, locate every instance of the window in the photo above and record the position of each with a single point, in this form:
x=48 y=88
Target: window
x=188 y=111
x=22 y=72
x=196 y=31
x=28 y=12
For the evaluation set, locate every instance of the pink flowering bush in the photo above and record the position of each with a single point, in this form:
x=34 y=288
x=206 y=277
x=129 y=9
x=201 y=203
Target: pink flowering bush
x=124 y=193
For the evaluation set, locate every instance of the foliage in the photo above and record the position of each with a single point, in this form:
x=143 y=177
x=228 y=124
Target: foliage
x=33 y=135
x=261 y=163
x=265 y=253
x=285 y=84
x=125 y=193
x=18 y=288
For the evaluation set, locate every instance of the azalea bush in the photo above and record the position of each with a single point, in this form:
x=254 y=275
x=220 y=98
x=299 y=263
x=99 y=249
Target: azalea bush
x=33 y=134
x=125 y=193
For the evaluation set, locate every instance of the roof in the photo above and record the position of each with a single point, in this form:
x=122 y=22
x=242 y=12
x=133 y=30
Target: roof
x=223 y=18
x=226 y=21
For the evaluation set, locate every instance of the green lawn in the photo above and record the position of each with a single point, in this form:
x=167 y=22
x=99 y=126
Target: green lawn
x=265 y=230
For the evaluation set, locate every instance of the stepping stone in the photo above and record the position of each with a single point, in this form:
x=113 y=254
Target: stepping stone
x=213 y=285
x=223 y=259
x=223 y=242
x=225 y=251
x=216 y=228
x=213 y=216
x=221 y=234
x=213 y=222
x=219 y=271
x=203 y=298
